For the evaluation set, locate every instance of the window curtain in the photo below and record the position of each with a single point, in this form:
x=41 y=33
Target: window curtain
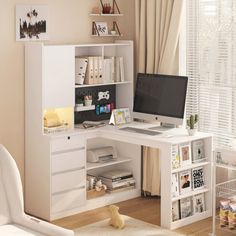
x=157 y=35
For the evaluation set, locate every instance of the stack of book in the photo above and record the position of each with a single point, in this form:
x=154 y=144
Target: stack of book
x=118 y=180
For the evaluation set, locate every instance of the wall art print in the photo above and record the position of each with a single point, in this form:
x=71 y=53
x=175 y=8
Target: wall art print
x=32 y=22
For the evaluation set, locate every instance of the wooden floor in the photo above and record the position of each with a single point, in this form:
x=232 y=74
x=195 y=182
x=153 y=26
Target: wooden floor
x=146 y=209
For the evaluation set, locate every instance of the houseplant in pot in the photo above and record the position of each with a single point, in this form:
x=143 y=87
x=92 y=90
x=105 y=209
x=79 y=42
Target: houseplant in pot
x=191 y=124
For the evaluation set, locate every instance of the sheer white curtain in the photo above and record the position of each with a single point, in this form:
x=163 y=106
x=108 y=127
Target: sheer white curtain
x=157 y=35
x=211 y=67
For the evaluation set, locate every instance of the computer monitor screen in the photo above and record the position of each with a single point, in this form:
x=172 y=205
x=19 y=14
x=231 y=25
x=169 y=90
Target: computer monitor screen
x=160 y=97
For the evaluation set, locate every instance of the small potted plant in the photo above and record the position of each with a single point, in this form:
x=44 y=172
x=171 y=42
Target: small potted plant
x=88 y=100
x=191 y=122
x=79 y=102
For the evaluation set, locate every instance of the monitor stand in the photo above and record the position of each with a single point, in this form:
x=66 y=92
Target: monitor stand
x=163 y=127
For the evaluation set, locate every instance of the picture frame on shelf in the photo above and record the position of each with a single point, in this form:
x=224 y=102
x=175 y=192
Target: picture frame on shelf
x=175 y=159
x=100 y=28
x=185 y=207
x=199 y=203
x=175 y=211
x=175 y=185
x=198 y=151
x=185 y=154
x=185 y=183
x=198 y=178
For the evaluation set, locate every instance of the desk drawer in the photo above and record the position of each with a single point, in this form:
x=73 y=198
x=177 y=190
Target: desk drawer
x=67 y=143
x=68 y=161
x=68 y=181
x=68 y=200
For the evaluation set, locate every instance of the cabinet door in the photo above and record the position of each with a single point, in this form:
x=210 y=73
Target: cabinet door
x=59 y=76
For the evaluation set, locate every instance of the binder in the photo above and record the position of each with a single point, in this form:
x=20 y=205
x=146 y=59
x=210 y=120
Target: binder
x=107 y=73
x=122 y=70
x=80 y=69
x=95 y=70
x=89 y=78
x=117 y=69
x=113 y=72
x=100 y=70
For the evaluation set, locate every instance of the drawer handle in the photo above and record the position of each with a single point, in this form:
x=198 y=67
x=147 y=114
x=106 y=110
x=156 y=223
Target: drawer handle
x=68 y=137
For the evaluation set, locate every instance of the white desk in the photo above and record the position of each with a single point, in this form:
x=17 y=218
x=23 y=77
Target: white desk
x=130 y=144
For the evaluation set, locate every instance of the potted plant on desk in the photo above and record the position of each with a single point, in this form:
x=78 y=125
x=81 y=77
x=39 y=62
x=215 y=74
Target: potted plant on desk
x=191 y=122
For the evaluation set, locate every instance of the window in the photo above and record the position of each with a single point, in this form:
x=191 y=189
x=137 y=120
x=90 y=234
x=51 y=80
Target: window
x=211 y=67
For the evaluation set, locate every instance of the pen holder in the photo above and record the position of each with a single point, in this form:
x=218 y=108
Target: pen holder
x=88 y=102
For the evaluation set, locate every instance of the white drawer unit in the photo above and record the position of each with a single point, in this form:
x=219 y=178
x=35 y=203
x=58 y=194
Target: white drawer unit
x=68 y=200
x=68 y=180
x=69 y=160
x=69 y=142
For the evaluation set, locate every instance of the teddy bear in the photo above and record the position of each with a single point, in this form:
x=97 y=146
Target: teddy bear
x=117 y=220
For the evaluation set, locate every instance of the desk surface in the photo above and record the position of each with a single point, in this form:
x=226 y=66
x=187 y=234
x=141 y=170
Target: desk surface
x=173 y=136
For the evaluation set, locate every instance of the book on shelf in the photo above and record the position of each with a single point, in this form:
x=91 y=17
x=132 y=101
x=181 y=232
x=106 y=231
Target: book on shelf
x=199 y=203
x=175 y=185
x=198 y=178
x=120 y=189
x=118 y=183
x=113 y=174
x=198 y=151
x=95 y=70
x=185 y=207
x=185 y=181
x=175 y=211
x=175 y=160
x=100 y=70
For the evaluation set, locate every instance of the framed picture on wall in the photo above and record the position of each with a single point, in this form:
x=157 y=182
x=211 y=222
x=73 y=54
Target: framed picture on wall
x=32 y=22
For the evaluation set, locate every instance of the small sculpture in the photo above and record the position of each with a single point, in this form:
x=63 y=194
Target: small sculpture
x=117 y=220
x=100 y=186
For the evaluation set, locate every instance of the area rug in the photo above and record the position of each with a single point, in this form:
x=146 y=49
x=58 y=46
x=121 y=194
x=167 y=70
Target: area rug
x=133 y=227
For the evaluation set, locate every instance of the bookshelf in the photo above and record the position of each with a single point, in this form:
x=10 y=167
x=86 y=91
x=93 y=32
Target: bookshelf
x=181 y=173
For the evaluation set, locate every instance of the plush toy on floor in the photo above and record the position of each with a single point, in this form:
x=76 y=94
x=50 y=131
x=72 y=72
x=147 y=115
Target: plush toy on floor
x=116 y=220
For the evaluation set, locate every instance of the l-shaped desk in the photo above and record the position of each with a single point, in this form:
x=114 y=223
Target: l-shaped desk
x=68 y=169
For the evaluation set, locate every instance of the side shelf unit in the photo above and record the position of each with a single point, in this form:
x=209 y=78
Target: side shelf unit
x=179 y=199
x=224 y=188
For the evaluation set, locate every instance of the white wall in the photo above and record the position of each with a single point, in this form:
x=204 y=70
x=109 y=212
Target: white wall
x=69 y=23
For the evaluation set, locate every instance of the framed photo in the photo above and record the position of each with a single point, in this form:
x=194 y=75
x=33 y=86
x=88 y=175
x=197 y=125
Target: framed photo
x=185 y=207
x=175 y=185
x=185 y=154
x=175 y=157
x=100 y=28
x=32 y=22
x=175 y=211
x=120 y=116
x=198 y=203
x=198 y=178
x=198 y=153
x=185 y=181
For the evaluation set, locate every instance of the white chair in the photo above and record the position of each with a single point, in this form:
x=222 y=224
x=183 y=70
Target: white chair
x=13 y=220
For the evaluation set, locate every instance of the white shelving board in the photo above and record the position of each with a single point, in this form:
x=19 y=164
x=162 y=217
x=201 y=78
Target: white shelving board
x=94 y=85
x=107 y=35
x=84 y=108
x=92 y=166
x=190 y=194
x=110 y=15
x=192 y=166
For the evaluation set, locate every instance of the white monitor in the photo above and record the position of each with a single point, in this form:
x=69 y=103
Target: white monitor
x=160 y=98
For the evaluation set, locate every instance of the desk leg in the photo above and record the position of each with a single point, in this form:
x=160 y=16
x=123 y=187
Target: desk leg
x=166 y=203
